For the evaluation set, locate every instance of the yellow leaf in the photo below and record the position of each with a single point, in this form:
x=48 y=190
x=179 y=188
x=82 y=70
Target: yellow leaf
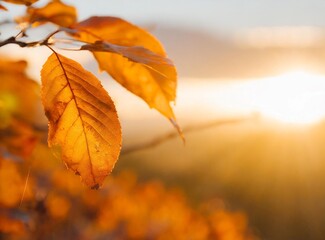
x=21 y=2
x=154 y=80
x=55 y=12
x=82 y=119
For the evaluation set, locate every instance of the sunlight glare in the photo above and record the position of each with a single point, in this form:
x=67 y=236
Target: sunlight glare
x=297 y=97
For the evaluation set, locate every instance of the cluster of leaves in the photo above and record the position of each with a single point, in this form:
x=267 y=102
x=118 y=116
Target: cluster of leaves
x=39 y=199
x=83 y=123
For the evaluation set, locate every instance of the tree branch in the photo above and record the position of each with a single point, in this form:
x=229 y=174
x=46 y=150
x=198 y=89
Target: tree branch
x=160 y=139
x=12 y=40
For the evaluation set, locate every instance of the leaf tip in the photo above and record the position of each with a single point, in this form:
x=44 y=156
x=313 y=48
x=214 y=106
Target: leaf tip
x=178 y=129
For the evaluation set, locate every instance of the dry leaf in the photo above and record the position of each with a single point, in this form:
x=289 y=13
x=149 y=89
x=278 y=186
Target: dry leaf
x=55 y=12
x=82 y=119
x=3 y=7
x=152 y=79
x=21 y=2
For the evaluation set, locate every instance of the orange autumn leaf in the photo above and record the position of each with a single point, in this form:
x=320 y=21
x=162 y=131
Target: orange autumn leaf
x=19 y=109
x=83 y=121
x=57 y=205
x=7 y=65
x=19 y=138
x=134 y=53
x=15 y=101
x=11 y=226
x=153 y=79
x=21 y=2
x=3 y=7
x=55 y=12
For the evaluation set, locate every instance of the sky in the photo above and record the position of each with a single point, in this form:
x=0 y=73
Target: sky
x=212 y=15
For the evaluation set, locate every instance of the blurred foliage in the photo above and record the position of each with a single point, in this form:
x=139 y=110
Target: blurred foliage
x=40 y=199
x=56 y=206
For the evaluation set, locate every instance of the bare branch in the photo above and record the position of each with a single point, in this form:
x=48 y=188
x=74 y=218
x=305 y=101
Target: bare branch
x=158 y=140
x=7 y=21
x=12 y=40
x=43 y=42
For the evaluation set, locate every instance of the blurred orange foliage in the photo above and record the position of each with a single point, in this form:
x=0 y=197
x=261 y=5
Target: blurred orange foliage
x=58 y=206
x=55 y=12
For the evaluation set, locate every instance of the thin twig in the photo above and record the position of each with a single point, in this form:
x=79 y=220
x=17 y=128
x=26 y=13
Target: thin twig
x=25 y=187
x=158 y=140
x=7 y=21
x=13 y=40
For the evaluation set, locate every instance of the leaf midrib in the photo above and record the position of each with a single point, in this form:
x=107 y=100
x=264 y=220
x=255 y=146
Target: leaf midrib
x=82 y=122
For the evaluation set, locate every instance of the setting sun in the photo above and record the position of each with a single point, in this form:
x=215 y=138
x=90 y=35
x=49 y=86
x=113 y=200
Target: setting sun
x=296 y=97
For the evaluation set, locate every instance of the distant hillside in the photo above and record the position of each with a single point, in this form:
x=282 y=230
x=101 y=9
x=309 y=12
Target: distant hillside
x=200 y=55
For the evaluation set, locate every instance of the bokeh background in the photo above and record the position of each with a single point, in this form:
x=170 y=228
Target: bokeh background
x=250 y=99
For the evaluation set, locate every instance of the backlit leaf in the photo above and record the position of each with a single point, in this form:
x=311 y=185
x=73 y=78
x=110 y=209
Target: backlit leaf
x=139 y=62
x=3 y=7
x=55 y=12
x=133 y=53
x=82 y=119
x=21 y=2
